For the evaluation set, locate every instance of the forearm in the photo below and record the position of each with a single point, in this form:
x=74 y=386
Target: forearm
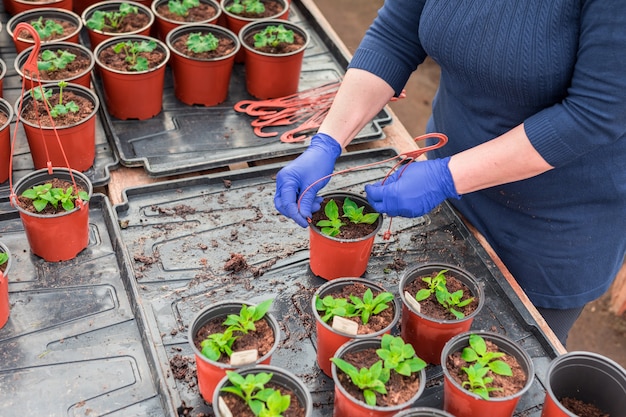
x=359 y=99
x=507 y=158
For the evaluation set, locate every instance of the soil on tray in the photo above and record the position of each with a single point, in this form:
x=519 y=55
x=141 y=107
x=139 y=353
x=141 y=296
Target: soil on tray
x=132 y=22
x=350 y=230
x=432 y=308
x=68 y=29
x=272 y=8
x=37 y=113
x=78 y=66
x=377 y=322
x=239 y=408
x=505 y=385
x=262 y=339
x=27 y=203
x=225 y=46
x=581 y=408
x=117 y=61
x=281 y=48
x=200 y=13
x=400 y=388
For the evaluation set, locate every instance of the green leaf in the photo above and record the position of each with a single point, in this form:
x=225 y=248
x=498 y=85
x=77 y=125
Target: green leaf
x=500 y=368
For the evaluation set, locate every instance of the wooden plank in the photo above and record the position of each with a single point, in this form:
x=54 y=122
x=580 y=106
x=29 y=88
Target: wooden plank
x=618 y=292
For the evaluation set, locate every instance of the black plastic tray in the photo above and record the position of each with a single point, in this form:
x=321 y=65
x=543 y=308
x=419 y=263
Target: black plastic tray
x=185 y=138
x=178 y=235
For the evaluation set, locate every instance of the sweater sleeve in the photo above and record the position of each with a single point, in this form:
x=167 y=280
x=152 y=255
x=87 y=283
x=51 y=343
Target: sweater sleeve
x=594 y=111
x=391 y=48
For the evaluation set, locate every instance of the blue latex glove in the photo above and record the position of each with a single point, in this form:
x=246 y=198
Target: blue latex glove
x=316 y=162
x=421 y=187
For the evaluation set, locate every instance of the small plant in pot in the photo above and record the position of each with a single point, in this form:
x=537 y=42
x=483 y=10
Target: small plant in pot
x=584 y=384
x=262 y=390
x=132 y=66
x=328 y=254
x=202 y=62
x=376 y=377
x=170 y=14
x=347 y=309
x=231 y=335
x=54 y=209
x=50 y=24
x=108 y=19
x=485 y=373
x=64 y=110
x=439 y=301
x=5 y=267
x=274 y=51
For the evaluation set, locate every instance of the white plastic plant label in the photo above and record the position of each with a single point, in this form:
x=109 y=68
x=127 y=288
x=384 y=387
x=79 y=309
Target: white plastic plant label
x=410 y=300
x=344 y=325
x=244 y=357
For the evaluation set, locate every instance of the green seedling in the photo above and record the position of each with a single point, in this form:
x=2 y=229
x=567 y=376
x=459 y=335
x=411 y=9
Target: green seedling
x=53 y=61
x=198 y=43
x=44 y=194
x=332 y=226
x=3 y=258
x=45 y=29
x=330 y=307
x=370 y=305
x=181 y=7
x=248 y=315
x=217 y=344
x=43 y=94
x=368 y=380
x=437 y=285
x=132 y=50
x=109 y=21
x=273 y=36
x=263 y=402
x=399 y=356
x=482 y=362
x=246 y=6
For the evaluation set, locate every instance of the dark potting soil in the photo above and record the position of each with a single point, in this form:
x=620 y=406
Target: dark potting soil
x=77 y=67
x=226 y=45
x=506 y=385
x=68 y=29
x=400 y=388
x=432 y=308
x=262 y=339
x=582 y=409
x=117 y=61
x=27 y=203
x=272 y=8
x=35 y=111
x=350 y=230
x=281 y=48
x=376 y=322
x=239 y=408
x=200 y=13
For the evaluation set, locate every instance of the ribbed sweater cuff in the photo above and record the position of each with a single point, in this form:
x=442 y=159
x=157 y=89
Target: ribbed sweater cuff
x=375 y=63
x=544 y=138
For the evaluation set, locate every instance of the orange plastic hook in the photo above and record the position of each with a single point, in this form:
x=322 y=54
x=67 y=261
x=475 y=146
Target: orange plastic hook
x=31 y=62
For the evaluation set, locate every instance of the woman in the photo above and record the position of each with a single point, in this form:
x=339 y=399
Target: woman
x=532 y=97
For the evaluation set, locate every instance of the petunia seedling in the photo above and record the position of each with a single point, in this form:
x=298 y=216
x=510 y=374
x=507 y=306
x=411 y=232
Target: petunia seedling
x=368 y=380
x=53 y=61
x=44 y=194
x=46 y=28
x=198 y=43
x=181 y=7
x=482 y=362
x=262 y=401
x=332 y=225
x=132 y=51
x=217 y=344
x=273 y=36
x=246 y=6
x=399 y=356
x=370 y=305
x=248 y=315
x=437 y=285
x=329 y=307
x=43 y=94
x=4 y=257
x=107 y=21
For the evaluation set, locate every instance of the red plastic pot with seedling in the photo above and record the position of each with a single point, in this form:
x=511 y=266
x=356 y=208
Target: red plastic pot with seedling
x=328 y=254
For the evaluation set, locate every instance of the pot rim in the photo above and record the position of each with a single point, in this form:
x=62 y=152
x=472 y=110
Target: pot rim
x=422 y=412
x=213 y=3
x=4 y=248
x=342 y=282
x=22 y=57
x=21 y=17
x=205 y=28
x=86 y=15
x=132 y=37
x=413 y=273
x=504 y=343
x=232 y=303
x=255 y=24
x=3 y=66
x=8 y=109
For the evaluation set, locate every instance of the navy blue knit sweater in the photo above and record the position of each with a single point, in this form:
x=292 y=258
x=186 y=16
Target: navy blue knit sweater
x=557 y=66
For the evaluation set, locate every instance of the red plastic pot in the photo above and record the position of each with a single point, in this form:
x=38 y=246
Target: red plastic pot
x=330 y=339
x=163 y=25
x=272 y=75
x=210 y=373
x=78 y=141
x=332 y=258
x=98 y=36
x=463 y=403
x=45 y=232
x=426 y=334
x=201 y=81
x=5 y=140
x=4 y=288
x=3 y=73
x=345 y=405
x=47 y=13
x=136 y=94
x=423 y=412
x=588 y=377
x=18 y=6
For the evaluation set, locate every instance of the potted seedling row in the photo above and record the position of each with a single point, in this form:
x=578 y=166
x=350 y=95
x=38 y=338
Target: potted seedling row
x=5 y=267
x=261 y=390
x=170 y=14
x=50 y=24
x=344 y=228
x=347 y=309
x=228 y=336
x=439 y=301
x=109 y=19
x=485 y=374
x=376 y=377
